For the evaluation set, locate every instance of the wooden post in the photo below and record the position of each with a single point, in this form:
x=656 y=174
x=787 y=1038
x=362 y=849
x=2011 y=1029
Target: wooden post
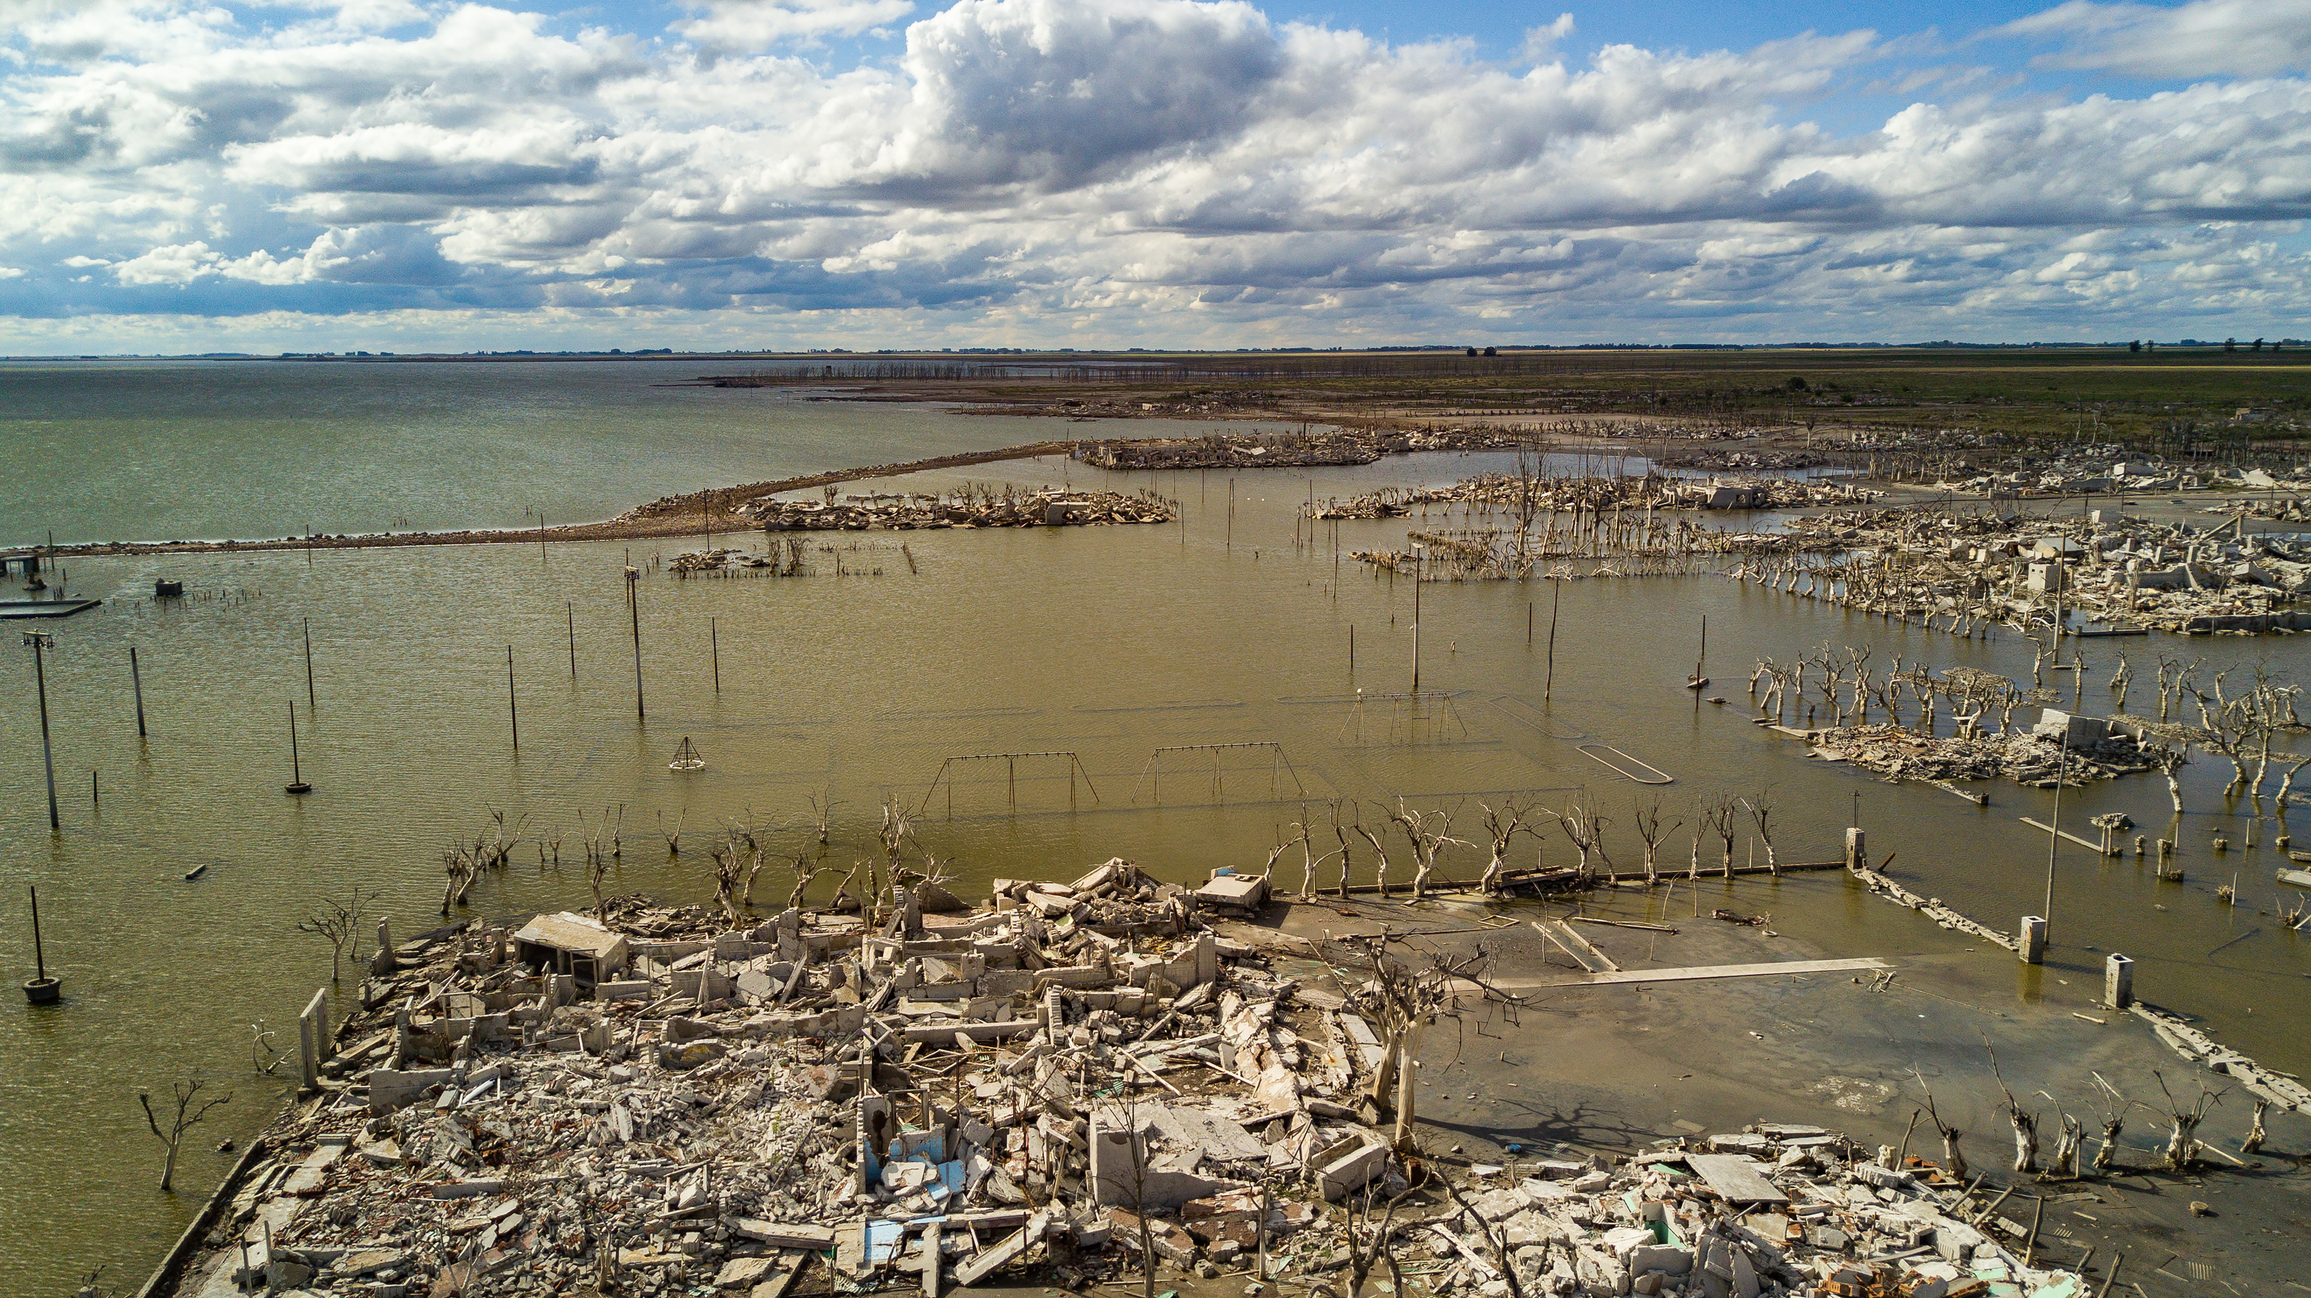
x=310 y=700
x=513 y=708
x=714 y=646
x=570 y=610
x=1549 y=682
x=136 y=682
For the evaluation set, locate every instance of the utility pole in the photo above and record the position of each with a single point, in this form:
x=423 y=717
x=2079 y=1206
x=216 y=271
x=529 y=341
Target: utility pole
x=40 y=641
x=634 y=612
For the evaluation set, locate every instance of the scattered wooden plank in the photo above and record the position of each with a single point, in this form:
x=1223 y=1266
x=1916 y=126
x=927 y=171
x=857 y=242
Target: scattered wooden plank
x=1618 y=923
x=1701 y=972
x=2095 y=848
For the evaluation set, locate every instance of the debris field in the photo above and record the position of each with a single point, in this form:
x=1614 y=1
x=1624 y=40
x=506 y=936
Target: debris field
x=1081 y=1082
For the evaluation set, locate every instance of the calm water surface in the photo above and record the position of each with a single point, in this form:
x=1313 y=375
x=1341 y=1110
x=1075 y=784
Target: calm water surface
x=1109 y=643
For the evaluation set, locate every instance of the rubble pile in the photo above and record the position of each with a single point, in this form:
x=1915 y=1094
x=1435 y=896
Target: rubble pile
x=1045 y=507
x=1246 y=450
x=2107 y=468
x=2128 y=574
x=1598 y=492
x=1058 y=1085
x=2036 y=758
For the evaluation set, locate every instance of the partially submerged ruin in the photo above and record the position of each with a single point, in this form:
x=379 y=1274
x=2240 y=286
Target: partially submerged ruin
x=1080 y=1081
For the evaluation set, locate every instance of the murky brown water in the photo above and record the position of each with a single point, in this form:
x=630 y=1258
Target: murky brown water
x=1107 y=643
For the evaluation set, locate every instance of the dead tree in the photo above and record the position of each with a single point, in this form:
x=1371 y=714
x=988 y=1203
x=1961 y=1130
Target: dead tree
x=734 y=871
x=2064 y=1163
x=1953 y=1162
x=806 y=872
x=2255 y=1132
x=1363 y=1254
x=1429 y=832
x=673 y=840
x=1586 y=830
x=1379 y=852
x=1648 y=821
x=1309 y=859
x=1760 y=808
x=2114 y=1107
x=1718 y=815
x=338 y=922
x=189 y=1112
x=2182 y=1149
x=597 y=869
x=2025 y=1123
x=1404 y=1001
x=460 y=867
x=1502 y=825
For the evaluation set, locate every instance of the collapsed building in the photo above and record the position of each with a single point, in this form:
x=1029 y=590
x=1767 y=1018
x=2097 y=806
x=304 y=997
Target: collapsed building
x=1076 y=1082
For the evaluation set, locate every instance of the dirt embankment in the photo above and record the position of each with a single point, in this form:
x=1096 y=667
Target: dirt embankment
x=694 y=513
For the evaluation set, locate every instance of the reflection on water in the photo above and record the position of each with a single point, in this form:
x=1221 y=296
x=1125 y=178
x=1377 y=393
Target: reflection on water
x=1196 y=679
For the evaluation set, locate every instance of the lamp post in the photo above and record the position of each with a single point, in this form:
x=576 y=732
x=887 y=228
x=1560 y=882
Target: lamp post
x=1419 y=553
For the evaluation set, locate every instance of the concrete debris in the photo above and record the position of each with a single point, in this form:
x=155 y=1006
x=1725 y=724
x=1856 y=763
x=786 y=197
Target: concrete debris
x=1648 y=491
x=1047 y=507
x=1075 y=1079
x=2106 y=572
x=2036 y=759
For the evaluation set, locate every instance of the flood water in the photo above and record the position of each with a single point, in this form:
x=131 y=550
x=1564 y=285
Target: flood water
x=1195 y=678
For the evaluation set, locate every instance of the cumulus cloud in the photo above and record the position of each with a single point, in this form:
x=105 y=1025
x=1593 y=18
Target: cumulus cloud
x=2204 y=38
x=1540 y=43
x=1070 y=167
x=760 y=24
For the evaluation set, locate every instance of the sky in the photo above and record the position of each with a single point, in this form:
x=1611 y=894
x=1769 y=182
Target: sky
x=414 y=175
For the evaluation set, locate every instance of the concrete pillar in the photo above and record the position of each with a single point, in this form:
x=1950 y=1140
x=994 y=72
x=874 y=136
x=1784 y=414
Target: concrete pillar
x=313 y=1038
x=1207 y=958
x=1857 y=850
x=2117 y=981
x=1115 y=1155
x=2033 y=937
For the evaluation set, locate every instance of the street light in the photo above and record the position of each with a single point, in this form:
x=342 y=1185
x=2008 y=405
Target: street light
x=42 y=640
